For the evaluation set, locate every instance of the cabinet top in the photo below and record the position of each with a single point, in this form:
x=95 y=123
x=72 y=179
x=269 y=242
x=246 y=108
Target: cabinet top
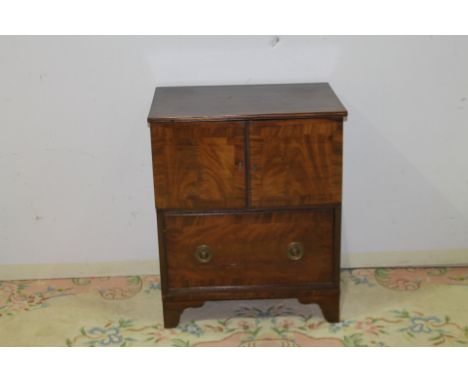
x=238 y=102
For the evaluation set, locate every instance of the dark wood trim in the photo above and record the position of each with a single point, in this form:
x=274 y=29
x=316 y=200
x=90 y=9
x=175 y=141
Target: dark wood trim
x=258 y=288
x=339 y=116
x=248 y=292
x=153 y=121
x=337 y=244
x=162 y=252
x=248 y=183
x=184 y=212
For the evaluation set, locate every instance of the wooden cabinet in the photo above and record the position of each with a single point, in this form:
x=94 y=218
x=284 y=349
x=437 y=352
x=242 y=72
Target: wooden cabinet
x=247 y=183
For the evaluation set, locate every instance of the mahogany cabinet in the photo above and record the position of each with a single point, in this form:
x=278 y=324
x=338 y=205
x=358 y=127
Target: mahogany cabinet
x=248 y=183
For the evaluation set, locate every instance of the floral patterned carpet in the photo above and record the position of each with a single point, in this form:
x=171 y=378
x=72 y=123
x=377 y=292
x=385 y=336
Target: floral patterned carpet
x=379 y=307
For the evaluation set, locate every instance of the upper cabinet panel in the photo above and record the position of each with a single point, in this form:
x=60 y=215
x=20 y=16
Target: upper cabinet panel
x=198 y=165
x=295 y=162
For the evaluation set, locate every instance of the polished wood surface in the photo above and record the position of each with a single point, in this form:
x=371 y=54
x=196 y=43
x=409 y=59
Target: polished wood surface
x=295 y=162
x=241 y=172
x=199 y=165
x=245 y=102
x=250 y=248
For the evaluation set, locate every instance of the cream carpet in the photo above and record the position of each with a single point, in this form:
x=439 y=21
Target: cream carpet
x=379 y=307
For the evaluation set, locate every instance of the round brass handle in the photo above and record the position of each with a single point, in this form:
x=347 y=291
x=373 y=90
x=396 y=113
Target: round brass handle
x=203 y=254
x=295 y=251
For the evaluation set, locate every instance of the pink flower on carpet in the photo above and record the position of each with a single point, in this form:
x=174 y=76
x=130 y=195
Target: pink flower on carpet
x=367 y=327
x=404 y=284
x=314 y=325
x=286 y=324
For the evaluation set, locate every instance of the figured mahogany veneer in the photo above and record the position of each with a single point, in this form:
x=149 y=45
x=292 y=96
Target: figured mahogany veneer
x=295 y=162
x=199 y=165
x=250 y=248
x=247 y=184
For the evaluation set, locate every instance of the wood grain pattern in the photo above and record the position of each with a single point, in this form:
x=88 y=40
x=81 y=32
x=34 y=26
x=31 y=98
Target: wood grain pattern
x=246 y=170
x=250 y=248
x=245 y=102
x=295 y=162
x=199 y=165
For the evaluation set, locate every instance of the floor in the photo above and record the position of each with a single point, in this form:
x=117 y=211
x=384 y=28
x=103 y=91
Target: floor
x=379 y=307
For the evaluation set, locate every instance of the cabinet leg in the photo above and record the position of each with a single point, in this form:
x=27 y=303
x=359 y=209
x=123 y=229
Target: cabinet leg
x=331 y=309
x=171 y=315
x=329 y=304
x=173 y=310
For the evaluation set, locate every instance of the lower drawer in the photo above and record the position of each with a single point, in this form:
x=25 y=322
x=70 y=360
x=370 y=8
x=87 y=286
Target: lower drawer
x=249 y=248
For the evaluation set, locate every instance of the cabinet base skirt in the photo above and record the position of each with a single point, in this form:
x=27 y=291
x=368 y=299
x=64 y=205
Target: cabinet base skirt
x=327 y=299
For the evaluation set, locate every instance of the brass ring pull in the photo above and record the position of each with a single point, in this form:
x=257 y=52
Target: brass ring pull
x=203 y=254
x=295 y=251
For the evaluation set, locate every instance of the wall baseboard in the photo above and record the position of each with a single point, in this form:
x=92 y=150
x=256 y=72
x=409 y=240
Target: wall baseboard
x=128 y=268
x=70 y=270
x=454 y=258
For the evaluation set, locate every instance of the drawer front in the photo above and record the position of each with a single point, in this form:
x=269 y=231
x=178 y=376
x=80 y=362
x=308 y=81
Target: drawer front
x=295 y=162
x=250 y=248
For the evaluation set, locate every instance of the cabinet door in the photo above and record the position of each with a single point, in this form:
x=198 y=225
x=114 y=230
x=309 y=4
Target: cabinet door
x=295 y=162
x=198 y=165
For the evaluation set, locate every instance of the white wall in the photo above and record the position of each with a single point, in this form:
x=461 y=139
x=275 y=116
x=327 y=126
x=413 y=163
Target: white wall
x=75 y=160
